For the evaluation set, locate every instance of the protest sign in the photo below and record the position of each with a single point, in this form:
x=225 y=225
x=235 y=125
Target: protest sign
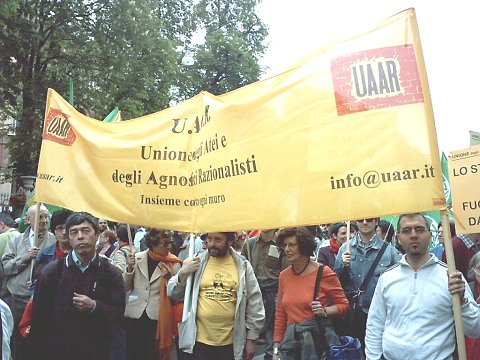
x=464 y=169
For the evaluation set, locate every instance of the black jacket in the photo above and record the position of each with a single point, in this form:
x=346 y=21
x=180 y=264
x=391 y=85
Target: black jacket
x=59 y=331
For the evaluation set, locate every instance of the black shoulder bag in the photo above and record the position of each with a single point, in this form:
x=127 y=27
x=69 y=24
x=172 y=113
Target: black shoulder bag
x=369 y=275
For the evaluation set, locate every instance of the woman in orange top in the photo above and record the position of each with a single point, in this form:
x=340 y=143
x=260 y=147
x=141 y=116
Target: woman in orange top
x=297 y=283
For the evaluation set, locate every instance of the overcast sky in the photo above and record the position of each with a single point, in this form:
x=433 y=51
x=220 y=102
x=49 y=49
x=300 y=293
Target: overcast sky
x=448 y=31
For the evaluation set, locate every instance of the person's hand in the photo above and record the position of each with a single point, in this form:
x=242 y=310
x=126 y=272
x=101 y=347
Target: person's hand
x=31 y=254
x=346 y=258
x=318 y=309
x=83 y=302
x=189 y=266
x=130 y=261
x=165 y=271
x=275 y=357
x=456 y=285
x=249 y=349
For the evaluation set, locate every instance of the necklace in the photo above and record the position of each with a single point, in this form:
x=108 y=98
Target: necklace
x=305 y=268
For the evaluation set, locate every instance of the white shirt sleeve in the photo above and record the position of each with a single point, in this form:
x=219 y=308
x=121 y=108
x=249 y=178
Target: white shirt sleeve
x=377 y=315
x=7 y=325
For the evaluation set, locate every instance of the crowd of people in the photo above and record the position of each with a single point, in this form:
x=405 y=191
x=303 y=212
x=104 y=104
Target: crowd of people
x=78 y=287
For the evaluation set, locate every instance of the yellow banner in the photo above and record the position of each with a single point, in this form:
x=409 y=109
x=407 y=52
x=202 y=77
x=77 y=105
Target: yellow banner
x=347 y=133
x=464 y=174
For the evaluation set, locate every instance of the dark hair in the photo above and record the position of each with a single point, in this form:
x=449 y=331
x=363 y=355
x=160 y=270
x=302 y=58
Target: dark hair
x=79 y=217
x=453 y=232
x=7 y=220
x=354 y=226
x=387 y=228
x=122 y=233
x=305 y=239
x=110 y=235
x=229 y=235
x=333 y=229
x=59 y=218
x=412 y=215
x=154 y=235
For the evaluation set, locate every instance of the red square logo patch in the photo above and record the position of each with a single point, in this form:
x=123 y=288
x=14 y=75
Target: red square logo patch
x=375 y=79
x=58 y=129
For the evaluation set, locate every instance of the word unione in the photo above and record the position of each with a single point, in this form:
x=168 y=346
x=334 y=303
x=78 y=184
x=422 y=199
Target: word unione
x=209 y=145
x=372 y=79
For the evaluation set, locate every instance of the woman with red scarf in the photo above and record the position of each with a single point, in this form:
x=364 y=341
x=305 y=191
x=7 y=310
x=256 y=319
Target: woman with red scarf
x=151 y=316
x=473 y=345
x=328 y=253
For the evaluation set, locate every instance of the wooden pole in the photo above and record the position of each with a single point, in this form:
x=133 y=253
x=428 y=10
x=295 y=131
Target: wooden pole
x=188 y=287
x=457 y=312
x=35 y=236
x=130 y=241
x=348 y=236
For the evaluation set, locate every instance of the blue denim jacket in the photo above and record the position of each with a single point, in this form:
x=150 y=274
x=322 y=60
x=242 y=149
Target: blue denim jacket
x=351 y=277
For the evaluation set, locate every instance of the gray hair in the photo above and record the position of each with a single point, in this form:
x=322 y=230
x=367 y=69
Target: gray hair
x=473 y=264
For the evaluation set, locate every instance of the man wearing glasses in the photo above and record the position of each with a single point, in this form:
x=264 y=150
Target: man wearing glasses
x=368 y=254
x=411 y=315
x=78 y=299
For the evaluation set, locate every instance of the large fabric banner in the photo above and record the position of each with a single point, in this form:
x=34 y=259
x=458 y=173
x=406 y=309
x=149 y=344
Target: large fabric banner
x=346 y=133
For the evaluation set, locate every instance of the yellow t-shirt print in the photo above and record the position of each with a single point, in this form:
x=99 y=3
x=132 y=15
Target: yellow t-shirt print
x=217 y=301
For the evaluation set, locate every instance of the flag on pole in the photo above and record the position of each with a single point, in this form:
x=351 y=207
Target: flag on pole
x=114 y=116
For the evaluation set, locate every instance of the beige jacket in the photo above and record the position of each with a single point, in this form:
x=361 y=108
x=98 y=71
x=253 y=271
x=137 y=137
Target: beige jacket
x=143 y=293
x=16 y=271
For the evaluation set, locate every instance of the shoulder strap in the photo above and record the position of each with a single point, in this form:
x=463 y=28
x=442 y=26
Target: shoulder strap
x=365 y=281
x=317 y=281
x=250 y=244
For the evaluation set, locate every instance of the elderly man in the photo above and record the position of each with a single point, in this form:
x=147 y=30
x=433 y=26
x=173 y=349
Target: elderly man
x=227 y=312
x=411 y=315
x=17 y=262
x=78 y=299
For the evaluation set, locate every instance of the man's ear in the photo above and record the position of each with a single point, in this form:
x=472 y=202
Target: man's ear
x=397 y=239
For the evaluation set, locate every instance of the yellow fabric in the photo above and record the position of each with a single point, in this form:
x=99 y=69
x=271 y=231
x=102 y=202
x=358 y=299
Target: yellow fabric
x=216 y=302
x=347 y=133
x=464 y=175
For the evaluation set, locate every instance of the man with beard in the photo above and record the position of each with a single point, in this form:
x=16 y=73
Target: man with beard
x=227 y=309
x=411 y=314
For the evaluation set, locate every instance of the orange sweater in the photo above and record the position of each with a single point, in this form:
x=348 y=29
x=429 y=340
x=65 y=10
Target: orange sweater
x=295 y=293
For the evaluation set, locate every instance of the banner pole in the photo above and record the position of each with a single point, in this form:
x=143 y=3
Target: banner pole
x=130 y=241
x=348 y=236
x=188 y=286
x=457 y=312
x=35 y=236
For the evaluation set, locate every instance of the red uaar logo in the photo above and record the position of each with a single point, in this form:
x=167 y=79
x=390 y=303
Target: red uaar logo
x=58 y=129
x=375 y=79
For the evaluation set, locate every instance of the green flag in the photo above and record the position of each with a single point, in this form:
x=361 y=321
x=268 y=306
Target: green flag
x=114 y=116
x=446 y=181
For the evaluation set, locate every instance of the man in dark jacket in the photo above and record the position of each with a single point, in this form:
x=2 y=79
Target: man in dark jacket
x=78 y=299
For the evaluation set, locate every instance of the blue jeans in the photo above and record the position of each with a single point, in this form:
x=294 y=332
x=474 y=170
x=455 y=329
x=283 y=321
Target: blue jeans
x=269 y=298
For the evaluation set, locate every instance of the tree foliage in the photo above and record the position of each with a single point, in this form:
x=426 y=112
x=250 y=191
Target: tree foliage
x=124 y=53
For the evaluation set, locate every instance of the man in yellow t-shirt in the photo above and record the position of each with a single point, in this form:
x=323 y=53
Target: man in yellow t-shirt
x=227 y=302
